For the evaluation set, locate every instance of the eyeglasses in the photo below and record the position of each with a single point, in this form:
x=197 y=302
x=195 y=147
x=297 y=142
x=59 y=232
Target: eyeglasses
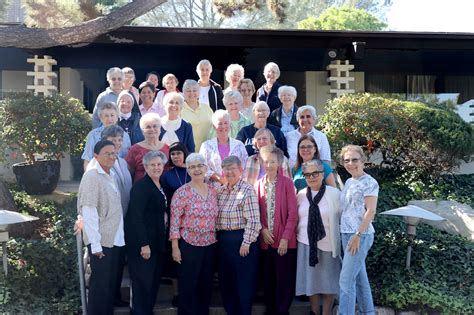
x=306 y=116
x=313 y=174
x=354 y=160
x=193 y=167
x=306 y=147
x=116 y=79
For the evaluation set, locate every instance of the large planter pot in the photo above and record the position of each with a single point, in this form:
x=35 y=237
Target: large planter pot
x=40 y=178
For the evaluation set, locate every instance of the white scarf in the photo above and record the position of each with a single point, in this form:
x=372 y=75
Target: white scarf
x=170 y=126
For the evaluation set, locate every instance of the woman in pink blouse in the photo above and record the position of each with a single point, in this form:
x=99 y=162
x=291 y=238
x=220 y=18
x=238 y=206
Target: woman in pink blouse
x=193 y=235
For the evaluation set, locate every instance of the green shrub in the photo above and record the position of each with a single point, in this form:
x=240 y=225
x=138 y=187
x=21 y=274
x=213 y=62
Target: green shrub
x=406 y=137
x=43 y=272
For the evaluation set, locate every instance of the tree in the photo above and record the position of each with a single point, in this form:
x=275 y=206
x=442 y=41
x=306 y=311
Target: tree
x=345 y=18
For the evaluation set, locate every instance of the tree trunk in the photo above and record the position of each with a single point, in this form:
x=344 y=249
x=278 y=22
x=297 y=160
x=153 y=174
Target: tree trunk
x=20 y=36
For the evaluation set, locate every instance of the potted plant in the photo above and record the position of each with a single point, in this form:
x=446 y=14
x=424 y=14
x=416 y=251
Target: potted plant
x=41 y=129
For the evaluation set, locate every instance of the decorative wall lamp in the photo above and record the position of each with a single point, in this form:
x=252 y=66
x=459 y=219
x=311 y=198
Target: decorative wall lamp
x=412 y=216
x=6 y=218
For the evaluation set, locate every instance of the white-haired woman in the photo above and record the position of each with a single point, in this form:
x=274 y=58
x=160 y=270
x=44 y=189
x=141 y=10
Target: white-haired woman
x=233 y=104
x=173 y=127
x=115 y=79
x=193 y=236
x=127 y=85
x=247 y=90
x=269 y=91
x=261 y=111
x=217 y=149
x=151 y=126
x=306 y=116
x=254 y=169
x=145 y=234
x=284 y=116
x=198 y=114
x=128 y=119
x=108 y=114
x=209 y=92
x=358 y=208
x=233 y=75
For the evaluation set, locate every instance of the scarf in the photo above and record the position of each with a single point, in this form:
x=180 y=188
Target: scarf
x=315 y=224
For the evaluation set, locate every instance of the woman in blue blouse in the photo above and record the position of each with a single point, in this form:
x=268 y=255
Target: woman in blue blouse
x=307 y=151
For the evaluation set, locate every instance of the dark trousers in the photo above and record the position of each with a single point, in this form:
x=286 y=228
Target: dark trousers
x=145 y=276
x=279 y=280
x=118 y=281
x=237 y=274
x=195 y=278
x=102 y=281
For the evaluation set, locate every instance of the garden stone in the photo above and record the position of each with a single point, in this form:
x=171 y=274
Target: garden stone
x=459 y=217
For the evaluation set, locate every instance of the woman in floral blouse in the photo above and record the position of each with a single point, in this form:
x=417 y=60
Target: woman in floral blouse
x=193 y=234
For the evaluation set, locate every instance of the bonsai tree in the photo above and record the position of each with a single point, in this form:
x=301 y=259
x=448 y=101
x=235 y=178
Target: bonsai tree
x=46 y=126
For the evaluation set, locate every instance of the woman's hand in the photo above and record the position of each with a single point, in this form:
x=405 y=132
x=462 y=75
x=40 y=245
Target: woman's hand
x=78 y=225
x=176 y=253
x=353 y=245
x=267 y=237
x=283 y=247
x=145 y=252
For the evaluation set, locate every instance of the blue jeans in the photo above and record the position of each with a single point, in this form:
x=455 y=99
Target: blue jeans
x=353 y=281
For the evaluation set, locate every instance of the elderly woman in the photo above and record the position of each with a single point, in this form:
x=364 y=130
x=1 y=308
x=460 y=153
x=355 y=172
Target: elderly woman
x=319 y=247
x=209 y=91
x=233 y=103
x=114 y=78
x=150 y=125
x=306 y=116
x=128 y=119
x=307 y=151
x=284 y=116
x=127 y=85
x=173 y=127
x=261 y=111
x=247 y=90
x=217 y=149
x=269 y=91
x=358 y=208
x=193 y=235
x=233 y=75
x=108 y=114
x=198 y=114
x=145 y=234
x=170 y=83
x=254 y=169
x=279 y=218
x=147 y=95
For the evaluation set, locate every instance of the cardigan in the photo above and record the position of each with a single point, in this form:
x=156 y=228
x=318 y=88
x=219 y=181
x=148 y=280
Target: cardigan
x=286 y=212
x=215 y=96
x=145 y=219
x=132 y=127
x=271 y=98
x=247 y=133
x=185 y=135
x=210 y=151
x=275 y=117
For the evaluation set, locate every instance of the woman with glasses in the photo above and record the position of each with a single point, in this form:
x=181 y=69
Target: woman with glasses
x=318 y=261
x=114 y=78
x=358 y=208
x=307 y=151
x=150 y=125
x=247 y=90
x=193 y=236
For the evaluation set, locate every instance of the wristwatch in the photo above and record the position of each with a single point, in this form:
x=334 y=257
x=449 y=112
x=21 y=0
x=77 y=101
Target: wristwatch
x=358 y=233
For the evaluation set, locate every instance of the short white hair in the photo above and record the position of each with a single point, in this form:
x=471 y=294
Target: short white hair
x=152 y=155
x=261 y=105
x=112 y=71
x=201 y=63
x=274 y=66
x=218 y=115
x=195 y=158
x=233 y=95
x=287 y=89
x=150 y=117
x=190 y=84
x=231 y=69
x=171 y=95
x=304 y=108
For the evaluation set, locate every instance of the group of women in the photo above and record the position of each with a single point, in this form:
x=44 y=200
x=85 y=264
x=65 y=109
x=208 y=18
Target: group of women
x=173 y=203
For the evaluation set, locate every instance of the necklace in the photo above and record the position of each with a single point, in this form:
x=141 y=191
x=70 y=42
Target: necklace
x=185 y=177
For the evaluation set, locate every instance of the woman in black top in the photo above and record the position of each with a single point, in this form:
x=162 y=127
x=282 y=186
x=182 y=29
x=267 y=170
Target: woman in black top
x=145 y=234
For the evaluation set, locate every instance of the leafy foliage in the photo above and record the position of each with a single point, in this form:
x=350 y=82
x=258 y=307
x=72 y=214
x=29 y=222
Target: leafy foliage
x=43 y=272
x=48 y=126
x=407 y=137
x=344 y=18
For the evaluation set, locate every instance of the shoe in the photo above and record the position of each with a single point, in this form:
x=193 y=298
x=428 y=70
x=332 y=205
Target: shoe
x=120 y=303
